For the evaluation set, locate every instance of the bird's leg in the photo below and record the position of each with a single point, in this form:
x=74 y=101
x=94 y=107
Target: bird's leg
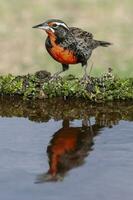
x=65 y=123
x=85 y=122
x=86 y=76
x=56 y=75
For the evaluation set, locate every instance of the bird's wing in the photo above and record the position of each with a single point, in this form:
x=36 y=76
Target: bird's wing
x=81 y=34
x=84 y=42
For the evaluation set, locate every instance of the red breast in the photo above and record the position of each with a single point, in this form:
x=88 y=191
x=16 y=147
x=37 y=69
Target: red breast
x=60 y=54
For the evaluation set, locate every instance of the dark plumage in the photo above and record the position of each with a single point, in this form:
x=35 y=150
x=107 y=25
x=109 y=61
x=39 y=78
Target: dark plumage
x=69 y=45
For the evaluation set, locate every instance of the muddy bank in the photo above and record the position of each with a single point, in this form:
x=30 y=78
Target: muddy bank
x=58 y=109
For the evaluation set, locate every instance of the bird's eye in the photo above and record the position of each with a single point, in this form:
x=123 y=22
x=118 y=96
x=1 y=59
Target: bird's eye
x=54 y=25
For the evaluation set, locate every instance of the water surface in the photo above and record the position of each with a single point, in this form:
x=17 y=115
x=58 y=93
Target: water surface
x=66 y=150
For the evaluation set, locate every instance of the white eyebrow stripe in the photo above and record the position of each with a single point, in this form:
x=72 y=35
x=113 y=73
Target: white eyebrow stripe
x=52 y=29
x=62 y=24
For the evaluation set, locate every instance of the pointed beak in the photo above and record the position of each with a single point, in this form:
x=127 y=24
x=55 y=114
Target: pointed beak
x=43 y=26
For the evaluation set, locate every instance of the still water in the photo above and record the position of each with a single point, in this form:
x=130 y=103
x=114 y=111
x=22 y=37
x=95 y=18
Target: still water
x=65 y=150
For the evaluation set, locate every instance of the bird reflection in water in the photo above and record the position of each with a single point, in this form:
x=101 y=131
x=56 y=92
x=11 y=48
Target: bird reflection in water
x=68 y=149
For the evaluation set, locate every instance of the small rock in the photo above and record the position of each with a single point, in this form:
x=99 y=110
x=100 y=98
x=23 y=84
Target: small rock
x=43 y=74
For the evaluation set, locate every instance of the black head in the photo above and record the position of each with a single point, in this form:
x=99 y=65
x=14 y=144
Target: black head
x=54 y=26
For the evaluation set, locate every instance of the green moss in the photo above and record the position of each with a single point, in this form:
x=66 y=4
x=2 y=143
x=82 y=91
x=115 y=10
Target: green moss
x=103 y=88
x=11 y=85
x=39 y=85
x=64 y=88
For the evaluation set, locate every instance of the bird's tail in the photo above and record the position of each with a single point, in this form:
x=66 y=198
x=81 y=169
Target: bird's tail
x=103 y=43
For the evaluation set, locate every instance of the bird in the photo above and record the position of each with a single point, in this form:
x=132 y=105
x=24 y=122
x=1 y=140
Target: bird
x=68 y=149
x=69 y=45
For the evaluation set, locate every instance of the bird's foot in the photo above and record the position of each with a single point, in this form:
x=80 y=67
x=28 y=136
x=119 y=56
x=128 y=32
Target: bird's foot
x=55 y=77
x=85 y=79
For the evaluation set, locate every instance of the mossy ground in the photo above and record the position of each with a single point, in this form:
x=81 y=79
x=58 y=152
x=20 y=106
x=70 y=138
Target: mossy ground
x=107 y=87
